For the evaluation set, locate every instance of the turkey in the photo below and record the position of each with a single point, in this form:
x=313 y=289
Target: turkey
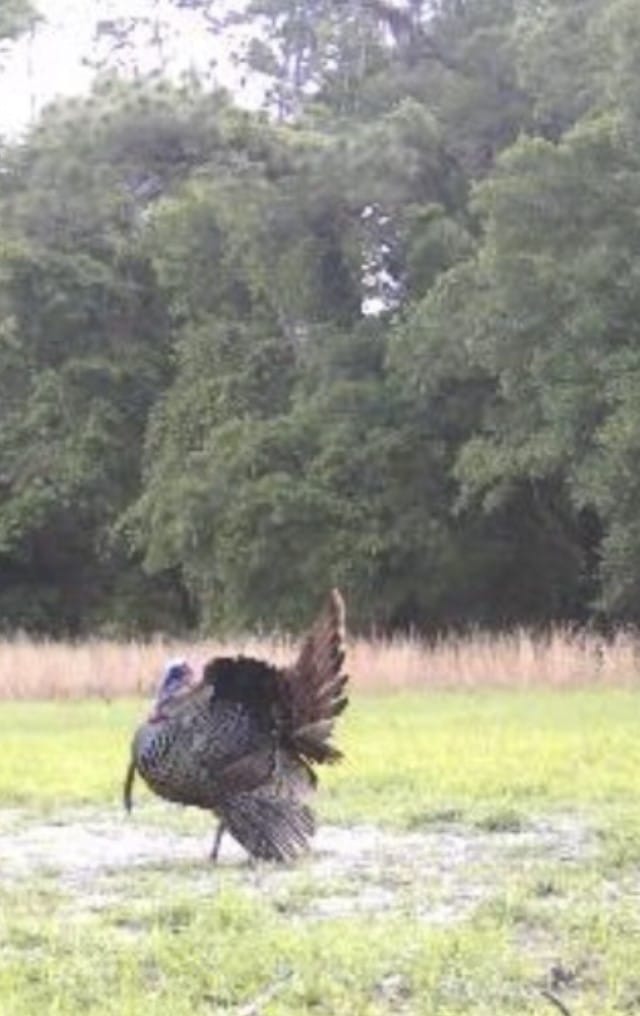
x=242 y=741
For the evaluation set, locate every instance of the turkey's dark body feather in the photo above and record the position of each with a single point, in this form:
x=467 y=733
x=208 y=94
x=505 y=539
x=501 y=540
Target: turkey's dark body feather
x=183 y=757
x=241 y=742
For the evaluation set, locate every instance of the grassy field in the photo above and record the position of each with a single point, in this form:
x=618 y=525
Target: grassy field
x=560 y=658
x=479 y=854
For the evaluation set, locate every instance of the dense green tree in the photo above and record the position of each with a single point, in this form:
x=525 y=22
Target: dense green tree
x=258 y=449
x=86 y=344
x=382 y=333
x=546 y=314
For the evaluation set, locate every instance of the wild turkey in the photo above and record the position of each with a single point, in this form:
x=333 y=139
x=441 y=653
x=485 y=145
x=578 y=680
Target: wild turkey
x=242 y=741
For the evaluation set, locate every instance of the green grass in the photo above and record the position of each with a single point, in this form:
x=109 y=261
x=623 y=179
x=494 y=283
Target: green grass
x=188 y=939
x=409 y=758
x=228 y=952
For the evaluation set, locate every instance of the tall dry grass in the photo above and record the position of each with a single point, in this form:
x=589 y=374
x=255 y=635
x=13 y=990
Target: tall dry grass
x=516 y=659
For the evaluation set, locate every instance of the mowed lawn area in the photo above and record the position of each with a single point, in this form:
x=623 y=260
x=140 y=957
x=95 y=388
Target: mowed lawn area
x=479 y=853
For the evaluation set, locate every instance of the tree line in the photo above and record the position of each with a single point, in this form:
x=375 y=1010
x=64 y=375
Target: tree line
x=383 y=332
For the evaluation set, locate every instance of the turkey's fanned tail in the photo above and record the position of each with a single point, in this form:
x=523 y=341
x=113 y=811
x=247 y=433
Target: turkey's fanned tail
x=316 y=685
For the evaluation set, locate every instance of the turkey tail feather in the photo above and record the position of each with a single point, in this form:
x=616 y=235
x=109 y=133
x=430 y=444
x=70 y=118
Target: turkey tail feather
x=316 y=684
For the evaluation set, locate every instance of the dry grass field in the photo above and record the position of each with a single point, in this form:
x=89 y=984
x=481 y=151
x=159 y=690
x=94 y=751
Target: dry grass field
x=517 y=659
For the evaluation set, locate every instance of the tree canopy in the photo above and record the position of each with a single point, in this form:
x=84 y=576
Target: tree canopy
x=382 y=332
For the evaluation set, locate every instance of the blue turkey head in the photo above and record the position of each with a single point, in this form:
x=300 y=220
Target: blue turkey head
x=177 y=676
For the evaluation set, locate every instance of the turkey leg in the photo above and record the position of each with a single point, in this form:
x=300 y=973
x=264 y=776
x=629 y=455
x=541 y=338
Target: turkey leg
x=215 y=849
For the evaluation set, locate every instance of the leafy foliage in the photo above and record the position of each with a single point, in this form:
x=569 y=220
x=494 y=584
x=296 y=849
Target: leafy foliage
x=381 y=333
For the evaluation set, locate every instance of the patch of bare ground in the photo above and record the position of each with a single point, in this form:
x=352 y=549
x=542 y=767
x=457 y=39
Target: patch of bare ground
x=440 y=874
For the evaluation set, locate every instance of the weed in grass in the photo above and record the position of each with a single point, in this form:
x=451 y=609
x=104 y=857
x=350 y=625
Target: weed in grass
x=434 y=817
x=502 y=820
